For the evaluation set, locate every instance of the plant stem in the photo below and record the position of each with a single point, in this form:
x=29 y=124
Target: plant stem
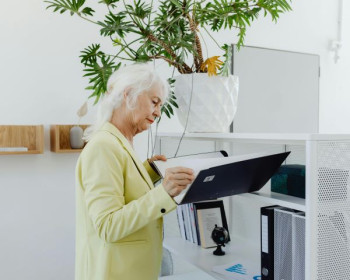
x=178 y=66
x=197 y=58
x=184 y=68
x=109 y=10
x=172 y=21
x=212 y=37
x=149 y=15
x=205 y=44
x=117 y=56
x=126 y=46
x=94 y=22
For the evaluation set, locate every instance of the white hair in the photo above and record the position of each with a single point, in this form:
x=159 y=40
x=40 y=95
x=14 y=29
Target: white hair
x=135 y=79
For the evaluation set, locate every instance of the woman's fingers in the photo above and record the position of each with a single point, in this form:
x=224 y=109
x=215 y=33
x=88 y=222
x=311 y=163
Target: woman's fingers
x=177 y=179
x=157 y=157
x=184 y=183
x=180 y=169
x=161 y=157
x=182 y=176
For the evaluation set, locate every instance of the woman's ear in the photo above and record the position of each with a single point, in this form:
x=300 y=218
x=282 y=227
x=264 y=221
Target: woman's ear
x=126 y=93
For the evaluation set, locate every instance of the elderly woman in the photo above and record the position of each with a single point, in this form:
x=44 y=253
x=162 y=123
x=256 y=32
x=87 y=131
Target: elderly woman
x=119 y=211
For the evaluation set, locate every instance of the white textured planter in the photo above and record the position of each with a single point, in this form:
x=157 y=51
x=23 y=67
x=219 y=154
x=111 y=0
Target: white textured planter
x=213 y=105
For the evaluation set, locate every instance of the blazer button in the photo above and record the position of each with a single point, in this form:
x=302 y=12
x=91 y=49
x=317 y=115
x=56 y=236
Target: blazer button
x=162 y=210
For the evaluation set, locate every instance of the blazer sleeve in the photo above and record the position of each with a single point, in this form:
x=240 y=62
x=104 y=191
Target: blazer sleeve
x=151 y=172
x=102 y=168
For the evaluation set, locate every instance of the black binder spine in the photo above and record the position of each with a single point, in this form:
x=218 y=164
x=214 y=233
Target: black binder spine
x=267 y=242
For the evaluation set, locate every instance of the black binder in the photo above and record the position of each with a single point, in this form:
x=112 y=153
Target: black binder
x=267 y=241
x=233 y=178
x=225 y=176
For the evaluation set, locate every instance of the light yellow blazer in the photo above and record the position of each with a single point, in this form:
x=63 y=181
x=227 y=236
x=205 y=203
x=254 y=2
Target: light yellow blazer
x=118 y=212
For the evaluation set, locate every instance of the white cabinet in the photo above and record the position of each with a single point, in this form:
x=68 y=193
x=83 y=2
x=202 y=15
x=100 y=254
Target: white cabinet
x=326 y=205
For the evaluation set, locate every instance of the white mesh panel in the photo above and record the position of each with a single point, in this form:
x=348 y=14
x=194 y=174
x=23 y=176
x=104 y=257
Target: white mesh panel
x=333 y=208
x=283 y=245
x=299 y=247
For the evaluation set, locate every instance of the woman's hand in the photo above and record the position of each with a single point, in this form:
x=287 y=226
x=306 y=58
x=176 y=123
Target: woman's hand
x=157 y=157
x=177 y=179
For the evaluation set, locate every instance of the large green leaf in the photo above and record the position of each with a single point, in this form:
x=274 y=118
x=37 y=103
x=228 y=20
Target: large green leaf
x=99 y=72
x=139 y=9
x=89 y=55
x=116 y=24
x=171 y=101
x=225 y=69
x=108 y=2
x=73 y=6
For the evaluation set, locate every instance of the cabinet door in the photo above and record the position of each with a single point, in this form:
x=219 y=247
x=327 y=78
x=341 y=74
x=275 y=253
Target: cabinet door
x=278 y=91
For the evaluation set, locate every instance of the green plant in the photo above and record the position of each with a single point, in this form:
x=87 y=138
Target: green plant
x=170 y=31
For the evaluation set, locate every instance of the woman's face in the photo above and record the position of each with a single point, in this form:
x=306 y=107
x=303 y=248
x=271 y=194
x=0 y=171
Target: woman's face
x=147 y=108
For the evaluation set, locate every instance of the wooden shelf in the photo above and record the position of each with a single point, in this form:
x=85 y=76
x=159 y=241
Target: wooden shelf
x=59 y=138
x=24 y=136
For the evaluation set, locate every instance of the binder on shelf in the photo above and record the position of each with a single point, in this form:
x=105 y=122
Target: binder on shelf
x=290 y=180
x=286 y=251
x=193 y=223
x=185 y=224
x=267 y=241
x=299 y=246
x=188 y=223
x=282 y=243
x=196 y=223
x=224 y=176
x=180 y=220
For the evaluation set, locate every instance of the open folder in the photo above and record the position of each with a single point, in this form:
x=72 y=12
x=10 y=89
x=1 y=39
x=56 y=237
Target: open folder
x=219 y=176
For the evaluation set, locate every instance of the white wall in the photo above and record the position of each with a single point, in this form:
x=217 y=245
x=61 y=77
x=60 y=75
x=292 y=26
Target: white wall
x=40 y=78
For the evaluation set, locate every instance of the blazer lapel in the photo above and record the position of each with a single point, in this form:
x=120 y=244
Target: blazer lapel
x=125 y=143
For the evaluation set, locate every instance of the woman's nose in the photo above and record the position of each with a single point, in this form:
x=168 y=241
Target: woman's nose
x=157 y=111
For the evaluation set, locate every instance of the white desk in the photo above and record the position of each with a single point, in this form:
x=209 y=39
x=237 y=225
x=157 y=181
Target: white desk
x=204 y=258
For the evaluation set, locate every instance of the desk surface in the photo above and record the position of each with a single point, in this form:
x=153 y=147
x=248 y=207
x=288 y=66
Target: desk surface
x=204 y=258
